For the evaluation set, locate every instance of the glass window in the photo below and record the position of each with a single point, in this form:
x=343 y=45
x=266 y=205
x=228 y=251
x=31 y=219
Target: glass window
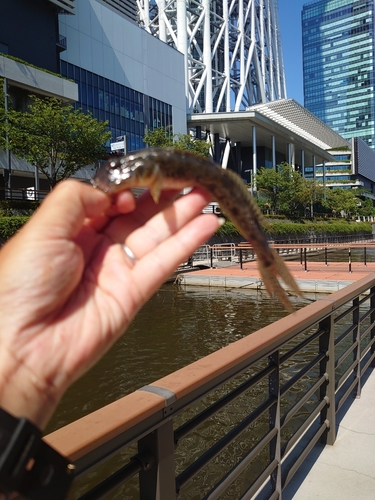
x=121 y=106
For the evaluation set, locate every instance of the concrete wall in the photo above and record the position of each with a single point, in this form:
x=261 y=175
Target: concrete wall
x=37 y=81
x=28 y=30
x=105 y=42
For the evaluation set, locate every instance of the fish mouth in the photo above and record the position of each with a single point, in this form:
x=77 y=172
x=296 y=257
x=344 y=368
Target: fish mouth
x=98 y=184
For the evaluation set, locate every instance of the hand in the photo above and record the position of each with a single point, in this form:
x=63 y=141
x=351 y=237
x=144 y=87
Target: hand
x=68 y=290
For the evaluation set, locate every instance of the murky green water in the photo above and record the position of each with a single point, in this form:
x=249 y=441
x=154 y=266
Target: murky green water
x=176 y=327
x=341 y=255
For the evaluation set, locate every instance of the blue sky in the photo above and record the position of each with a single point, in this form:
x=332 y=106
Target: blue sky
x=291 y=39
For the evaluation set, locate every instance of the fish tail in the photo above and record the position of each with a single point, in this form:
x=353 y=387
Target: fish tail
x=269 y=275
x=284 y=273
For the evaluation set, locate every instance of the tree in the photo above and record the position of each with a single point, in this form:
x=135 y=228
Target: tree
x=57 y=139
x=282 y=188
x=291 y=189
x=160 y=138
x=3 y=117
x=366 y=205
x=341 y=200
x=311 y=192
x=268 y=182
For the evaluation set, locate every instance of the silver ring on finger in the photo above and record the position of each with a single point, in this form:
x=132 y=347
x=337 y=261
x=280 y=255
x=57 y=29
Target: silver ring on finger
x=129 y=254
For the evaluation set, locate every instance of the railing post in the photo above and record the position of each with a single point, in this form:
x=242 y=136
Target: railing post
x=327 y=368
x=159 y=483
x=274 y=421
x=357 y=342
x=372 y=319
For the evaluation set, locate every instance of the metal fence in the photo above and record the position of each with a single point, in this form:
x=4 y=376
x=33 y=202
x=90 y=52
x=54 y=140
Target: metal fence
x=26 y=194
x=222 y=255
x=237 y=423
x=224 y=251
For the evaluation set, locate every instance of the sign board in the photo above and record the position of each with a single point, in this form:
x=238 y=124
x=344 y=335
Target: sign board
x=115 y=146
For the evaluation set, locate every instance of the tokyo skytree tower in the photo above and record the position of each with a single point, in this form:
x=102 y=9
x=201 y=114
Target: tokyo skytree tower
x=232 y=49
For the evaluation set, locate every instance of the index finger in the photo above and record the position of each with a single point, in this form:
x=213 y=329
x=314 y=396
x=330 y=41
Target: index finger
x=63 y=212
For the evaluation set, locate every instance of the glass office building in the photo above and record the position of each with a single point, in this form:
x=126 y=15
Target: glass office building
x=129 y=113
x=338 y=65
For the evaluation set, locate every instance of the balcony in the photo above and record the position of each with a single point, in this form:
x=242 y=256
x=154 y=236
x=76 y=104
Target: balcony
x=66 y=6
x=36 y=80
x=61 y=42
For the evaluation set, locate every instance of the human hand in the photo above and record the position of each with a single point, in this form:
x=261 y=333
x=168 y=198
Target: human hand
x=68 y=290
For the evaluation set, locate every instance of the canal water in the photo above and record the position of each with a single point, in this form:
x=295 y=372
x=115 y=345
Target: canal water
x=176 y=327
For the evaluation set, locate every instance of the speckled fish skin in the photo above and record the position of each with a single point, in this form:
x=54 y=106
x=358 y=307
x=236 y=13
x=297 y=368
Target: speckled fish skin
x=164 y=168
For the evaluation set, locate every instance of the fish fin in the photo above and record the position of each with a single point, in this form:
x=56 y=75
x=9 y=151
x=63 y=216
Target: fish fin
x=157 y=185
x=274 y=288
x=284 y=273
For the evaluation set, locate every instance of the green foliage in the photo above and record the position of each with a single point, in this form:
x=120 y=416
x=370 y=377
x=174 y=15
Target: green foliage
x=366 y=207
x=56 y=138
x=185 y=142
x=311 y=192
x=2 y=116
x=340 y=148
x=9 y=208
x=228 y=229
x=268 y=183
x=339 y=200
x=296 y=229
x=160 y=138
x=17 y=59
x=286 y=190
x=10 y=225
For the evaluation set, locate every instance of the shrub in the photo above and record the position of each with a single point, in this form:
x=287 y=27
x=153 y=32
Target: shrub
x=10 y=225
x=9 y=208
x=298 y=228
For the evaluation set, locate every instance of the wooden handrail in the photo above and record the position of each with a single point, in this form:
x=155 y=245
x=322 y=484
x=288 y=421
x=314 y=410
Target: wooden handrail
x=83 y=436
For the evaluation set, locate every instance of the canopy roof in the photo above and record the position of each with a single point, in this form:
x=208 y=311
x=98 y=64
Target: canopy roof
x=285 y=119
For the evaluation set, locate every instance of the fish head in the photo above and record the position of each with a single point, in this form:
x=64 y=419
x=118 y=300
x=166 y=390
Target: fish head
x=123 y=173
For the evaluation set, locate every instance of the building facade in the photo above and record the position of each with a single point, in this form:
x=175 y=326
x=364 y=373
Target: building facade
x=117 y=65
x=30 y=64
x=41 y=45
x=338 y=65
x=109 y=66
x=124 y=74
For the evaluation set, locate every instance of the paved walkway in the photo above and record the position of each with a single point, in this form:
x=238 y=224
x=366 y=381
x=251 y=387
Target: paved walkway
x=317 y=278
x=345 y=471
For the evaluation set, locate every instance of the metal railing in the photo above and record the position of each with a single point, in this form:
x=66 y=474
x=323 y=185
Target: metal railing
x=202 y=254
x=224 y=251
x=242 y=253
x=27 y=194
x=238 y=422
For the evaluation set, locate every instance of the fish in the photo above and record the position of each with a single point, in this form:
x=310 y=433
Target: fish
x=168 y=168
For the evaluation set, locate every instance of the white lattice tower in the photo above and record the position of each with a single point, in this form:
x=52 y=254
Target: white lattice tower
x=232 y=49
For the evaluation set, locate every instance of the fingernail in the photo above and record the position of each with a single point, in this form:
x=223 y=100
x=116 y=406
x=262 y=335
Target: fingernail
x=221 y=221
